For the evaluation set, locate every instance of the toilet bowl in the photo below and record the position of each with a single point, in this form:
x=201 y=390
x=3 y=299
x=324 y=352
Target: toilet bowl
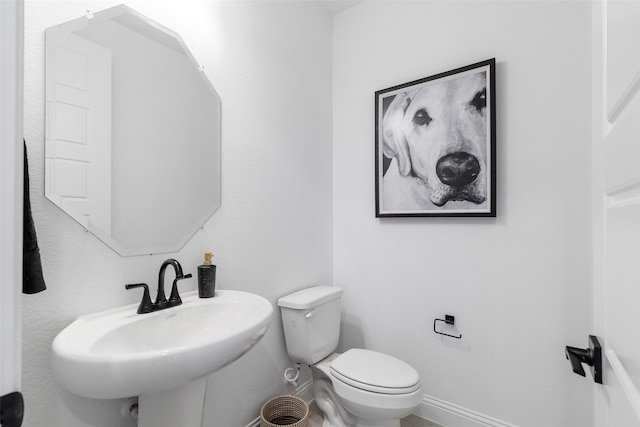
x=376 y=389
x=358 y=388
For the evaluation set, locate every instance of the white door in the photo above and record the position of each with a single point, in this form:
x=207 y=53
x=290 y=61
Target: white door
x=11 y=30
x=78 y=134
x=616 y=163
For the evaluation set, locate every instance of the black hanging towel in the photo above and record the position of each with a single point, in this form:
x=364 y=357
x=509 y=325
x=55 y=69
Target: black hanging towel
x=32 y=277
x=11 y=409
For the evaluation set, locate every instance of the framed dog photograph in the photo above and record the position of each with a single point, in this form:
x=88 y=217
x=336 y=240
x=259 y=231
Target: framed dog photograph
x=435 y=143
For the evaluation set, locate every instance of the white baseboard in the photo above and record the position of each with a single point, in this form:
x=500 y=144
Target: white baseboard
x=432 y=408
x=254 y=423
x=451 y=415
x=303 y=391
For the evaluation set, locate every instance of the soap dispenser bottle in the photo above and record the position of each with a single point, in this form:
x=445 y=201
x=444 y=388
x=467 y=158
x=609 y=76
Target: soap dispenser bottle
x=207 y=277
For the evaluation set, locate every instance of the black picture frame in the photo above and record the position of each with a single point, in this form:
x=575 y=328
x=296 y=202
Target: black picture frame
x=435 y=145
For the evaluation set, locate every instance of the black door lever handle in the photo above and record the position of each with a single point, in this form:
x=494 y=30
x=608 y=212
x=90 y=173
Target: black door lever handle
x=592 y=356
x=578 y=356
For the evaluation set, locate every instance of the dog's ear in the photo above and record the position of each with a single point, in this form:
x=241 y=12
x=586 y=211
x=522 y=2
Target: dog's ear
x=394 y=142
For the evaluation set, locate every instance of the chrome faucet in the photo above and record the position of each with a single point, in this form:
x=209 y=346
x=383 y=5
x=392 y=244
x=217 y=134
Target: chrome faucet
x=161 y=302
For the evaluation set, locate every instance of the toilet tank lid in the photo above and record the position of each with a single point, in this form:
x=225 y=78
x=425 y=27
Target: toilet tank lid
x=310 y=297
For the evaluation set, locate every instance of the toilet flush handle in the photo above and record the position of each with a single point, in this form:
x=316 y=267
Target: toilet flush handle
x=309 y=314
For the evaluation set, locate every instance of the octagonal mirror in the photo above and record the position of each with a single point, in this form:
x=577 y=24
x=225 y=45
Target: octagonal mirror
x=132 y=138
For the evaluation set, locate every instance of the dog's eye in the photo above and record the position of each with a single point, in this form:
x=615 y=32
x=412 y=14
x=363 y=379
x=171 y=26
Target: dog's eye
x=421 y=117
x=479 y=101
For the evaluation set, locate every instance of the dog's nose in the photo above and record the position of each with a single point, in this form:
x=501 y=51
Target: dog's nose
x=458 y=169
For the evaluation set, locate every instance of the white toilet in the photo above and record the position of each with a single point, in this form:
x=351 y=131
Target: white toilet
x=358 y=388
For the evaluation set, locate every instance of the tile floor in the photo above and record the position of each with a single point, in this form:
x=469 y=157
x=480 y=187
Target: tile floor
x=315 y=420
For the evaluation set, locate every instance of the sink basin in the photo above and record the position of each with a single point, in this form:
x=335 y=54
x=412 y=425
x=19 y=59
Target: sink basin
x=119 y=353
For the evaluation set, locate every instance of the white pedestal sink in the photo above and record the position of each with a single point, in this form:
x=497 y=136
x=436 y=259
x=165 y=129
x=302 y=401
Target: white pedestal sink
x=163 y=357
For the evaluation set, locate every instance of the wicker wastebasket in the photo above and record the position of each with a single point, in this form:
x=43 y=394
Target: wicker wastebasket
x=281 y=411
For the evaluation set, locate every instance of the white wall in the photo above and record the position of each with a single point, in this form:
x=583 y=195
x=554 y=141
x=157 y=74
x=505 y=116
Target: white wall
x=271 y=64
x=519 y=285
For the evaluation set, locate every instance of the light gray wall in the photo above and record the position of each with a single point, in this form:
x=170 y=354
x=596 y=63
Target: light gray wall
x=519 y=285
x=271 y=64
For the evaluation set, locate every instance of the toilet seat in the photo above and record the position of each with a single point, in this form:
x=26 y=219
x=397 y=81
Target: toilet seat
x=375 y=372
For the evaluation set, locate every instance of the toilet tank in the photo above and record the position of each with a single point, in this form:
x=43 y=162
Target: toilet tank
x=311 y=323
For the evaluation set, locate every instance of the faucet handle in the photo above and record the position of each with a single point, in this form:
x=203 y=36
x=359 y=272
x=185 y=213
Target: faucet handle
x=146 y=306
x=175 y=299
